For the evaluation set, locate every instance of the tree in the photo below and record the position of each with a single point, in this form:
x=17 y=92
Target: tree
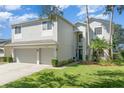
x=51 y=11
x=88 y=51
x=117 y=35
x=109 y=9
x=99 y=45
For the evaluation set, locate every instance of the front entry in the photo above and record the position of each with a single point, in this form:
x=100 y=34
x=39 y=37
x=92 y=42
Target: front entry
x=80 y=54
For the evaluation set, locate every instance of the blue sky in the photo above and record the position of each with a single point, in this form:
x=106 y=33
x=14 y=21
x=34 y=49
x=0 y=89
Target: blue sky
x=14 y=14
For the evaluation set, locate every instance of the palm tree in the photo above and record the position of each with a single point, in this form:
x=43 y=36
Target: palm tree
x=99 y=45
x=88 y=35
x=110 y=10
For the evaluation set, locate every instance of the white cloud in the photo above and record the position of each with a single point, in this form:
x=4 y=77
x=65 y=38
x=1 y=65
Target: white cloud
x=12 y=7
x=100 y=16
x=25 y=17
x=62 y=7
x=14 y=18
x=5 y=15
x=91 y=9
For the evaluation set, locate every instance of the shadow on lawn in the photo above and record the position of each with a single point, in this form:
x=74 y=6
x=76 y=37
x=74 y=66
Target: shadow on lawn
x=110 y=73
x=115 y=80
x=50 y=80
x=105 y=83
x=46 y=80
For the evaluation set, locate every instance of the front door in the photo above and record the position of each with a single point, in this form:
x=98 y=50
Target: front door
x=80 y=54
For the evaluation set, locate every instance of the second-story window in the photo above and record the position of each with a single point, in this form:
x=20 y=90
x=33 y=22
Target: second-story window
x=98 y=30
x=80 y=38
x=17 y=30
x=47 y=25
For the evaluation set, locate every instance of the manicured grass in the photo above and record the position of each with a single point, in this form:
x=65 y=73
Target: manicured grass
x=89 y=76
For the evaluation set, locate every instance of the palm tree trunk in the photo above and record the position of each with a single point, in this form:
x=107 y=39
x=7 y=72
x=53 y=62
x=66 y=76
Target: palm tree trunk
x=87 y=35
x=111 y=32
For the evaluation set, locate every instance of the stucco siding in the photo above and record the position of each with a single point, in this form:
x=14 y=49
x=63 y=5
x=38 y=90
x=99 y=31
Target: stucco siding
x=65 y=40
x=35 y=32
x=105 y=30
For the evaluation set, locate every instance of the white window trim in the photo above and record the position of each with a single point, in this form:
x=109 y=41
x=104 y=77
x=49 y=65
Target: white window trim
x=18 y=35
x=98 y=27
x=20 y=30
x=46 y=29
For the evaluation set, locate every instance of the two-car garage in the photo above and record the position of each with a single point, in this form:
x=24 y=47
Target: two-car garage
x=34 y=55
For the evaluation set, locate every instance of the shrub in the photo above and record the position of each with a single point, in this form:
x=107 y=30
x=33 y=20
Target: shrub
x=65 y=62
x=70 y=60
x=6 y=59
x=105 y=62
x=54 y=62
x=121 y=55
x=119 y=58
x=9 y=59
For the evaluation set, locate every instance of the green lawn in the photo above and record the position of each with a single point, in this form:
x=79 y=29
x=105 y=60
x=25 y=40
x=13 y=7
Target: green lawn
x=88 y=76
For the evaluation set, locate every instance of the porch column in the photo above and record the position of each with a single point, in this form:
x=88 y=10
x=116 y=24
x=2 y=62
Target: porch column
x=13 y=56
x=38 y=58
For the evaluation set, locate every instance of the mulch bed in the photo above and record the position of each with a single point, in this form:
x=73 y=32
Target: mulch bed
x=88 y=63
x=95 y=63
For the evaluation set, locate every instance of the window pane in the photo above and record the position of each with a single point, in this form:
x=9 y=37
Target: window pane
x=98 y=30
x=49 y=25
x=80 y=38
x=1 y=51
x=46 y=25
x=17 y=30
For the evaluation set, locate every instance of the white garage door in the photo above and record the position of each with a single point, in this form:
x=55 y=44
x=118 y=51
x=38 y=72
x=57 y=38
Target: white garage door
x=46 y=56
x=26 y=55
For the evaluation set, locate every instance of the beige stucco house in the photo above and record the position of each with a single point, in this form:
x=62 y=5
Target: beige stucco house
x=41 y=40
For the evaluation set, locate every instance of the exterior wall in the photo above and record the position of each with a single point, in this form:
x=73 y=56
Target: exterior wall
x=105 y=30
x=65 y=40
x=34 y=32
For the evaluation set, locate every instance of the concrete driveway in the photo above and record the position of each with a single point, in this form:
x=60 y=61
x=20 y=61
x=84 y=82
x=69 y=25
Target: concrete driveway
x=13 y=71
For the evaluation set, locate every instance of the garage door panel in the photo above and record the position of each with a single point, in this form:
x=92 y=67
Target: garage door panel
x=46 y=56
x=26 y=55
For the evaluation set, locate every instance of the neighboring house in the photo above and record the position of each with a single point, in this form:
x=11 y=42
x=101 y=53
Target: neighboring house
x=41 y=40
x=98 y=28
x=4 y=50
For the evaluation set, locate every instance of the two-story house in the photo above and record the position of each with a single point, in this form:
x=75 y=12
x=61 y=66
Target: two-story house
x=41 y=40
